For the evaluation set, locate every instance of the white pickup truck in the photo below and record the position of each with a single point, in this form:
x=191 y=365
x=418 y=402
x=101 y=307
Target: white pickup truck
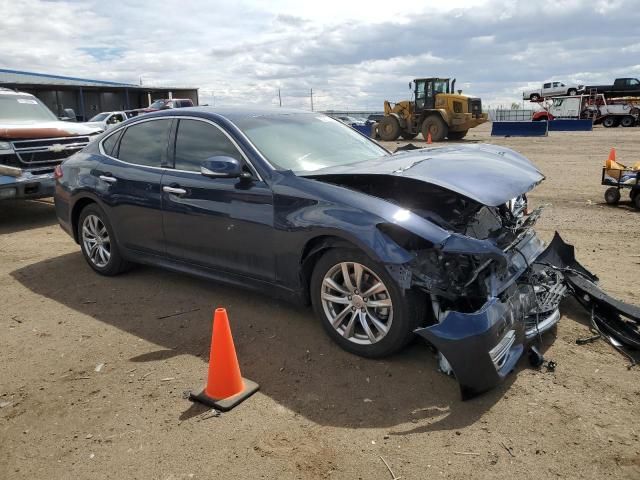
x=106 y=120
x=32 y=143
x=551 y=89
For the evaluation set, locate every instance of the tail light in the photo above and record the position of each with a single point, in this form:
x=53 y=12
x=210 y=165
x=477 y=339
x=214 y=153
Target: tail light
x=57 y=172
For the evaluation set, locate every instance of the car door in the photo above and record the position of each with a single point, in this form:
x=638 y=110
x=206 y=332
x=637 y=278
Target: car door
x=130 y=175
x=220 y=223
x=546 y=89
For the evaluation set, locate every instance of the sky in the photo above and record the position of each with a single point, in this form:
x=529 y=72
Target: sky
x=353 y=54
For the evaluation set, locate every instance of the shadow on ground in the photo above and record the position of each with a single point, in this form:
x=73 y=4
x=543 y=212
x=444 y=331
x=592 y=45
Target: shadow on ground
x=280 y=346
x=19 y=215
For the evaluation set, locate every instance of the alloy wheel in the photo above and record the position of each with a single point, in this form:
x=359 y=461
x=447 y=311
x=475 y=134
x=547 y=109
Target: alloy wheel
x=96 y=241
x=356 y=303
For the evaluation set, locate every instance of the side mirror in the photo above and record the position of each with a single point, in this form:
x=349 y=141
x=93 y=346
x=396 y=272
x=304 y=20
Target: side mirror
x=223 y=167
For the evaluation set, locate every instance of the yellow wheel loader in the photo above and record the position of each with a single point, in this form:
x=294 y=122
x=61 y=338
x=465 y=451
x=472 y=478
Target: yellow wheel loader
x=436 y=109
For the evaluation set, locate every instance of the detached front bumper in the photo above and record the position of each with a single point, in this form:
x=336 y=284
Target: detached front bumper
x=26 y=186
x=481 y=348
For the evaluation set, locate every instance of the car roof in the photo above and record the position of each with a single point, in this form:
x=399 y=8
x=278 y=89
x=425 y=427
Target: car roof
x=231 y=113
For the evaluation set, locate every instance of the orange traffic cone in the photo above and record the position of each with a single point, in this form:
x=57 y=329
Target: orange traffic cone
x=225 y=386
x=429 y=142
x=612 y=155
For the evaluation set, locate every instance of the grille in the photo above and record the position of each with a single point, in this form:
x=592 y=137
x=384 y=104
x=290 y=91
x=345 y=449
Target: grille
x=50 y=150
x=475 y=107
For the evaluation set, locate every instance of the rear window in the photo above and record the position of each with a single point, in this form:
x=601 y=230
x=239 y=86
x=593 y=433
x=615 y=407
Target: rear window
x=145 y=143
x=110 y=142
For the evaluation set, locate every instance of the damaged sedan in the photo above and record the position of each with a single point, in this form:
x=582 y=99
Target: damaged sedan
x=436 y=242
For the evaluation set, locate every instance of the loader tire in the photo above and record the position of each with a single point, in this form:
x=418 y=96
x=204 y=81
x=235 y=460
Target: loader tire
x=434 y=124
x=389 y=128
x=456 y=135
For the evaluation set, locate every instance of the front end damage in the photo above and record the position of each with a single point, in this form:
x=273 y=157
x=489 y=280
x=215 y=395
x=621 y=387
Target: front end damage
x=481 y=346
x=493 y=285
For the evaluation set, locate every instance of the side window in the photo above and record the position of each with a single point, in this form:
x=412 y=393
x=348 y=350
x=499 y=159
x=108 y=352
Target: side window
x=546 y=85
x=110 y=142
x=556 y=84
x=196 y=141
x=145 y=143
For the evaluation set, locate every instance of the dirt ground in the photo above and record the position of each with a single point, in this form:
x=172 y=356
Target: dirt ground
x=320 y=412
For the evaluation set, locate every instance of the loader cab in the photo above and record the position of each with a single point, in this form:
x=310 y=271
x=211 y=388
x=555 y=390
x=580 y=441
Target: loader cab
x=426 y=90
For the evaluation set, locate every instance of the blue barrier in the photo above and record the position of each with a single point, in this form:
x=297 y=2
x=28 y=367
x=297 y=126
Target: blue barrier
x=519 y=129
x=570 y=125
x=364 y=129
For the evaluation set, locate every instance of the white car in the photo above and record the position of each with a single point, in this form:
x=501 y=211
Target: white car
x=106 y=120
x=551 y=89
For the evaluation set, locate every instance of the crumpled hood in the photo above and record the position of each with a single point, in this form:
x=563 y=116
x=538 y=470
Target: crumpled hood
x=489 y=174
x=53 y=129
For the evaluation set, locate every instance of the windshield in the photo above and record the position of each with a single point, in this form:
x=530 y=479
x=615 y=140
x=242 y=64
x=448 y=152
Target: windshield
x=23 y=109
x=157 y=104
x=99 y=117
x=304 y=142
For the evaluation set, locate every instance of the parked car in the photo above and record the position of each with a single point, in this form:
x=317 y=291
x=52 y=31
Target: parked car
x=32 y=142
x=622 y=87
x=551 y=89
x=384 y=246
x=167 y=103
x=106 y=120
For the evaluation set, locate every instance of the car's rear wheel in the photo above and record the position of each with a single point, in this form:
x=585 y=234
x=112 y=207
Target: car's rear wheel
x=360 y=306
x=610 y=122
x=534 y=97
x=98 y=242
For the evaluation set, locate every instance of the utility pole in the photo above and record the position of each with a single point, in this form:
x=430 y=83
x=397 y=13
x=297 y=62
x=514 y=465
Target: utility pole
x=312 y=99
x=279 y=98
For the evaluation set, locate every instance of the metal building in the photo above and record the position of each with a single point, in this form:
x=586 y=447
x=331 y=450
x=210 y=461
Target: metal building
x=89 y=97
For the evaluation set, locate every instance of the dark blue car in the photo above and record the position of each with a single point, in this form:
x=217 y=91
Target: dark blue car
x=436 y=242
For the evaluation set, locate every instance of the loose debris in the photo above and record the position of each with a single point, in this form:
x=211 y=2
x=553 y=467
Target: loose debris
x=177 y=313
x=99 y=367
x=393 y=475
x=508 y=449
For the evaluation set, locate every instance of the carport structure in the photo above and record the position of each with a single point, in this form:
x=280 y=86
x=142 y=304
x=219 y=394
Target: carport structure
x=89 y=97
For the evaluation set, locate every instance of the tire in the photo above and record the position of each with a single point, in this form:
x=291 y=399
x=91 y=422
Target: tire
x=610 y=122
x=405 y=314
x=612 y=195
x=572 y=91
x=434 y=124
x=635 y=199
x=534 y=97
x=457 y=135
x=627 y=121
x=92 y=221
x=408 y=136
x=389 y=128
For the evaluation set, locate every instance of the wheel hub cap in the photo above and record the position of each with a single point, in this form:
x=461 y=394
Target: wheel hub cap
x=356 y=303
x=96 y=241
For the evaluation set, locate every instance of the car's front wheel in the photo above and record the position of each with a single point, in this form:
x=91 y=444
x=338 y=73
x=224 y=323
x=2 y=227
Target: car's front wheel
x=98 y=242
x=361 y=307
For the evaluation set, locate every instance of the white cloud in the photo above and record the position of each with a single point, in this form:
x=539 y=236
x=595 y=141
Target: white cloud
x=353 y=54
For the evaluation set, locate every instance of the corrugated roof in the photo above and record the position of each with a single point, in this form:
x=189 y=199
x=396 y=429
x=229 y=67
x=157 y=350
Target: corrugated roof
x=17 y=77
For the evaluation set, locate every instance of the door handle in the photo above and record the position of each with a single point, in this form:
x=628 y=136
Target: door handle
x=108 y=179
x=174 y=190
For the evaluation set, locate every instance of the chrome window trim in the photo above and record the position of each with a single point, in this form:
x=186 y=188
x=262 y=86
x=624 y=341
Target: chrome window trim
x=183 y=117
